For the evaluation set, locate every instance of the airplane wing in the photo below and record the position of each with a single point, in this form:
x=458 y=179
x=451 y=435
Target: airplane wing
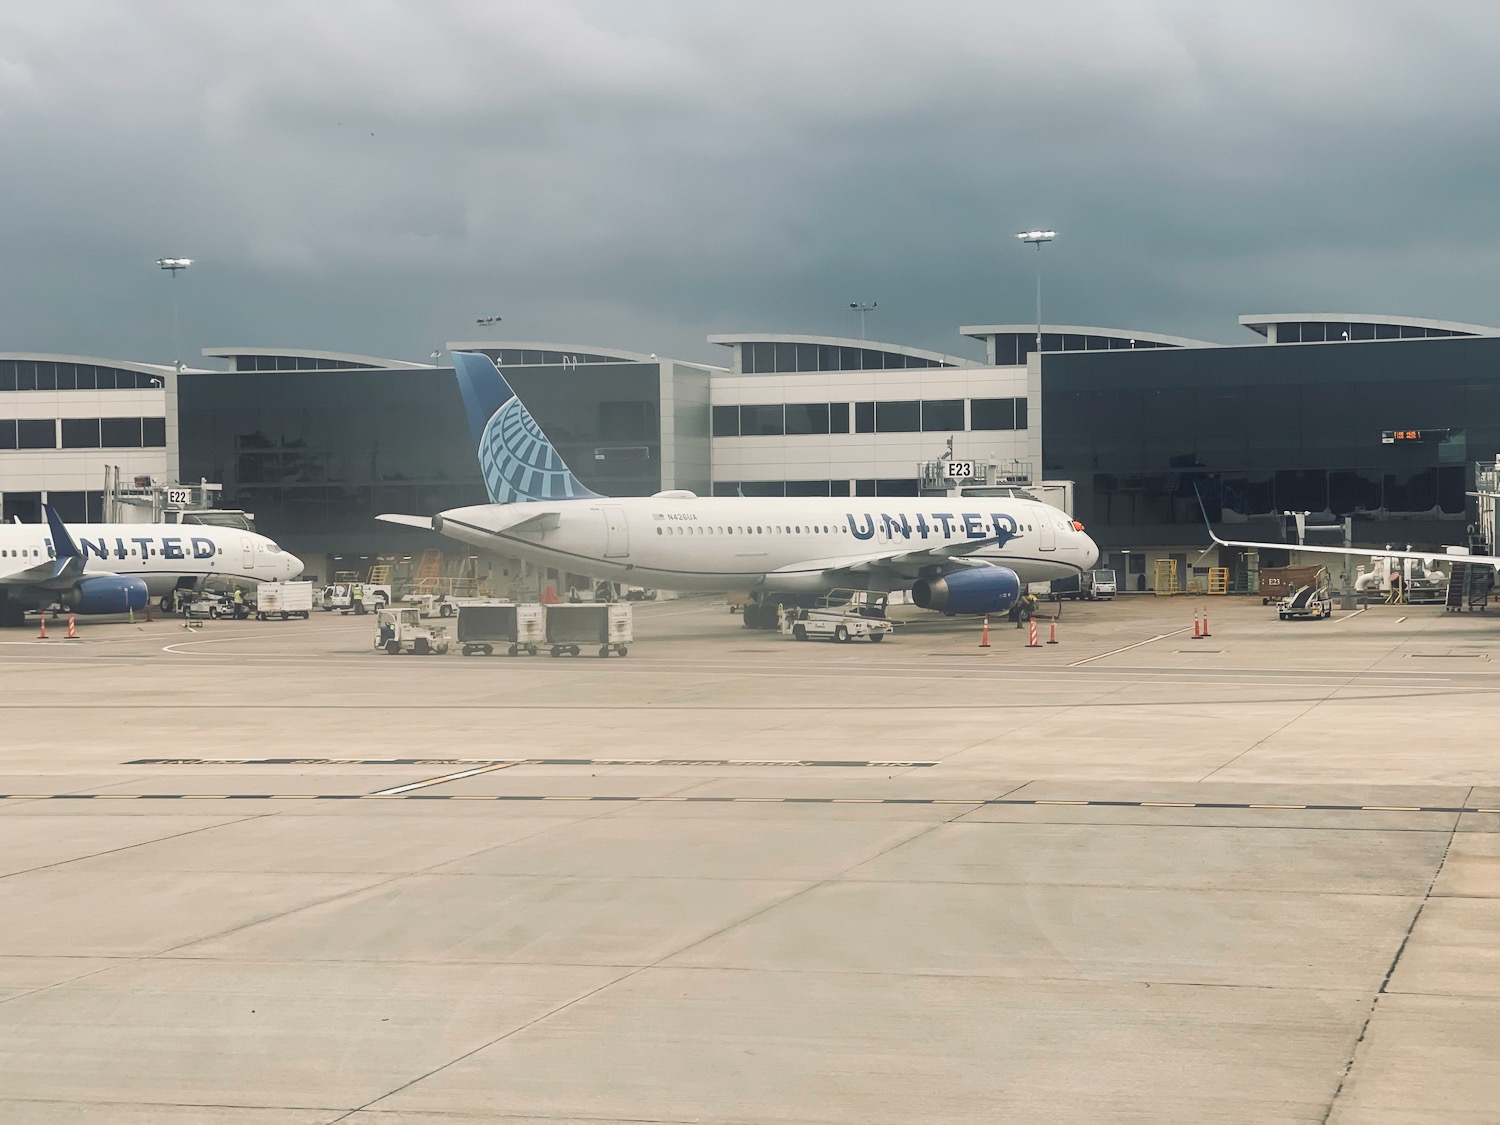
x=948 y=556
x=1360 y=552
x=56 y=573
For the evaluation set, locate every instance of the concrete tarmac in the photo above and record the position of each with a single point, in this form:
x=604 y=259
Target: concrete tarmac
x=261 y=872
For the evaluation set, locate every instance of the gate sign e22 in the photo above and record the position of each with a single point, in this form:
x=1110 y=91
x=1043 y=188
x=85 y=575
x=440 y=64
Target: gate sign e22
x=958 y=470
x=179 y=496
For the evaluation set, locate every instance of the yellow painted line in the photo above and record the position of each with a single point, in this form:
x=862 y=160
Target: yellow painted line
x=1278 y=806
x=1391 y=808
x=1168 y=805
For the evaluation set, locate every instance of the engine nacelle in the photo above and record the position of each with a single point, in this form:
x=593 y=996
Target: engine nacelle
x=981 y=589
x=106 y=593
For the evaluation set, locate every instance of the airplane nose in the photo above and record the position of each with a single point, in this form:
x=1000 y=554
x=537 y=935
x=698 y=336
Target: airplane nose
x=293 y=567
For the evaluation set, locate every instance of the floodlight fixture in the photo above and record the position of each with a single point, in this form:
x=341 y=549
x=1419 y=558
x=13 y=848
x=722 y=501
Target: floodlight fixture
x=174 y=265
x=862 y=308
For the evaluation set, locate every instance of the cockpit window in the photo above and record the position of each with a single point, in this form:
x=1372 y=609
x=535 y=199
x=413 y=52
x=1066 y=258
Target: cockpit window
x=271 y=548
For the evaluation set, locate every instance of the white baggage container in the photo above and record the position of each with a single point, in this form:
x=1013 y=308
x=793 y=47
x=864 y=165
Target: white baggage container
x=283 y=600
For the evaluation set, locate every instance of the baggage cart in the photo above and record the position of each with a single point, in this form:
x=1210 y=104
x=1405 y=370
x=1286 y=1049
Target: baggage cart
x=607 y=625
x=483 y=627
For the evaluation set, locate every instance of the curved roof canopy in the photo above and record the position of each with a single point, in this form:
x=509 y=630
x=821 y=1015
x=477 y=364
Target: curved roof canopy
x=305 y=359
x=764 y=352
x=1317 y=328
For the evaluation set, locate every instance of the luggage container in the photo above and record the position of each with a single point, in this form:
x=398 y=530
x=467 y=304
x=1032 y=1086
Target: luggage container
x=607 y=625
x=483 y=627
x=284 y=600
x=1276 y=582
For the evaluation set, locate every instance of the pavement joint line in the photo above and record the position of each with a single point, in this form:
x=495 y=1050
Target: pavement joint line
x=616 y=798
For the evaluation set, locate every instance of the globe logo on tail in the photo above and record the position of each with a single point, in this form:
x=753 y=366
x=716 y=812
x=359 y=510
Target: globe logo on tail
x=520 y=464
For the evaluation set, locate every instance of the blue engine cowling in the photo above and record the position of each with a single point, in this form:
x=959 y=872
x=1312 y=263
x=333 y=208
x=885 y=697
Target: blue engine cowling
x=106 y=593
x=982 y=589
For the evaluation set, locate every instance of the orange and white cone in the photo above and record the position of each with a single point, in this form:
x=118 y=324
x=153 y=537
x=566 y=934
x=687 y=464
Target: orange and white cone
x=984 y=636
x=1197 y=633
x=1206 y=633
x=1052 y=636
x=42 y=632
x=1032 y=642
x=72 y=629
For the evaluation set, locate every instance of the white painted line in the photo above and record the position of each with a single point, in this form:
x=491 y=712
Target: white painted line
x=399 y=789
x=1127 y=648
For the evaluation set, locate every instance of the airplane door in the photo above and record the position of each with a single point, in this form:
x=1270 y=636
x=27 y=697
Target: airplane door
x=248 y=561
x=1049 y=534
x=616 y=534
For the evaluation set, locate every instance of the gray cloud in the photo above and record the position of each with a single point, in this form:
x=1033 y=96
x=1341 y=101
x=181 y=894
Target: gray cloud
x=372 y=176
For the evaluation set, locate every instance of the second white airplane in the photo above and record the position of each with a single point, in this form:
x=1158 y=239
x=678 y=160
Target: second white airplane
x=965 y=555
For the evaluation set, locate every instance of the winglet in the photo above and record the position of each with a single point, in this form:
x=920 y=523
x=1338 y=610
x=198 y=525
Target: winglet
x=1202 y=507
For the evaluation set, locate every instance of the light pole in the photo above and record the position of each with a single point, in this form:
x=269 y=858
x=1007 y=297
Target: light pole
x=1036 y=238
x=487 y=321
x=862 y=308
x=174 y=266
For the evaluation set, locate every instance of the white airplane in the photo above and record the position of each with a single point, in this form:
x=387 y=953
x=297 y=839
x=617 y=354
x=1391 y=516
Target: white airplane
x=117 y=567
x=965 y=555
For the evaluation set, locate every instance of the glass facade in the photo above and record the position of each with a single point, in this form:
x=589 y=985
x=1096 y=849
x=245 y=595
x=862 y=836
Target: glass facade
x=1012 y=348
x=763 y=357
x=48 y=375
x=1260 y=431
x=317 y=455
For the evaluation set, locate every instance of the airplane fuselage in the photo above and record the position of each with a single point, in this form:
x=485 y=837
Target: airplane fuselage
x=161 y=555
x=732 y=543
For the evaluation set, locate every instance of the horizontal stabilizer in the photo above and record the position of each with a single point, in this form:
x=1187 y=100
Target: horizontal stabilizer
x=424 y=522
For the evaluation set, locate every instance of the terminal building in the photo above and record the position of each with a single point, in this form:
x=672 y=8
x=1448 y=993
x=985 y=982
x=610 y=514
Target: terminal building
x=1374 y=419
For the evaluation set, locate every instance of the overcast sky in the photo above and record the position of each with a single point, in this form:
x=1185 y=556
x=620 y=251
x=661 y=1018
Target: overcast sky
x=373 y=176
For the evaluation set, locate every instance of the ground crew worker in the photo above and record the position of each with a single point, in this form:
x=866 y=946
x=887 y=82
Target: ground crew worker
x=357 y=597
x=239 y=602
x=1025 y=608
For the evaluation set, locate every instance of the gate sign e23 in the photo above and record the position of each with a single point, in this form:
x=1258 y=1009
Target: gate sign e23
x=958 y=470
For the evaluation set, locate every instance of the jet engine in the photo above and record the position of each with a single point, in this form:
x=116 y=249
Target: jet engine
x=981 y=589
x=106 y=593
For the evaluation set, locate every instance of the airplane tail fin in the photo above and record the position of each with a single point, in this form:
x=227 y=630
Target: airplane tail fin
x=519 y=463
x=64 y=547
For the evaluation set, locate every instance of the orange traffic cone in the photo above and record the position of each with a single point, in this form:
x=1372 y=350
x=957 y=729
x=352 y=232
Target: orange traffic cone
x=1197 y=634
x=984 y=636
x=42 y=633
x=1032 y=642
x=72 y=629
x=1052 y=638
x=1206 y=633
